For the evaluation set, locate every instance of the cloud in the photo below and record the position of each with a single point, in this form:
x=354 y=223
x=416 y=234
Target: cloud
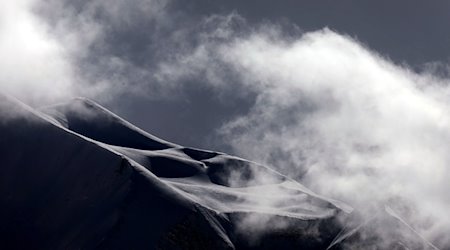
x=113 y=44
x=34 y=65
x=328 y=111
x=54 y=50
x=347 y=123
x=337 y=116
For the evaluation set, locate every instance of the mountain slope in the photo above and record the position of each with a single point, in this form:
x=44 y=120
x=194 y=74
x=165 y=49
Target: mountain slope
x=76 y=176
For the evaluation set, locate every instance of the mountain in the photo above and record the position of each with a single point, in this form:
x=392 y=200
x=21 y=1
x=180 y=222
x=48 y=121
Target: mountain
x=76 y=176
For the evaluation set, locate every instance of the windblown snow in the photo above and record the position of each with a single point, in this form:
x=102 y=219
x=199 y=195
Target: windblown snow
x=76 y=176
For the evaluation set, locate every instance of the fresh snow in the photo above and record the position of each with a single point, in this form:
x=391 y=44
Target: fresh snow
x=76 y=176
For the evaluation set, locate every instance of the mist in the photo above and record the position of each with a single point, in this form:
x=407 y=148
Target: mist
x=340 y=118
x=328 y=111
x=34 y=65
x=54 y=50
x=347 y=123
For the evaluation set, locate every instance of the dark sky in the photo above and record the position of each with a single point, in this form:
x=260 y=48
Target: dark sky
x=408 y=32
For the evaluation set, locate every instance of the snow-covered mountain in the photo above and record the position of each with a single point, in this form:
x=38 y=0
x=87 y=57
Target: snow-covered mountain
x=76 y=176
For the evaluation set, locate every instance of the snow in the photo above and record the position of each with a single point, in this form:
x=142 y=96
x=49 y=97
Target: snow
x=76 y=176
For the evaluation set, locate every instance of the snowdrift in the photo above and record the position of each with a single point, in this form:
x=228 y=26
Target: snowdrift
x=76 y=176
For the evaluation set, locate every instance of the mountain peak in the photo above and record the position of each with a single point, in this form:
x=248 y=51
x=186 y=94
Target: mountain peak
x=101 y=182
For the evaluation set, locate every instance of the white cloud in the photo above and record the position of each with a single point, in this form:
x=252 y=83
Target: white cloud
x=48 y=47
x=347 y=123
x=337 y=116
x=33 y=65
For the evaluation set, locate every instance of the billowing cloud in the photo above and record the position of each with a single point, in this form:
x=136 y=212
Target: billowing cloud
x=333 y=114
x=347 y=123
x=328 y=111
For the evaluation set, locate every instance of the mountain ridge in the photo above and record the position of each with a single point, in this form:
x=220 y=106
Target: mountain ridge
x=97 y=181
